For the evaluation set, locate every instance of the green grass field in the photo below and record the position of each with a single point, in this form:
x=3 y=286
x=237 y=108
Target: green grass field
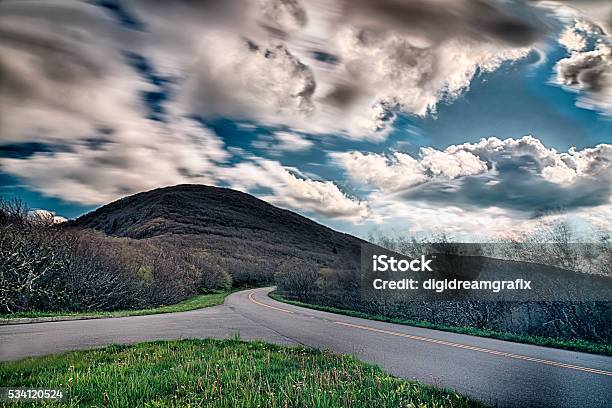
x=196 y=302
x=575 y=345
x=220 y=373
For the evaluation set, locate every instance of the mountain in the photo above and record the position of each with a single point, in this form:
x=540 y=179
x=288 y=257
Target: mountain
x=230 y=223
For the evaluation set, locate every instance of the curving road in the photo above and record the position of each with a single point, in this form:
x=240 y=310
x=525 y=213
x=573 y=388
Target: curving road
x=496 y=372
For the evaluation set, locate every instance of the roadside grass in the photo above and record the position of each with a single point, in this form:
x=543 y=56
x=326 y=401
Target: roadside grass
x=574 y=345
x=220 y=373
x=196 y=302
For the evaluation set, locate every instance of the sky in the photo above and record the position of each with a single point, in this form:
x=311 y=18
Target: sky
x=478 y=119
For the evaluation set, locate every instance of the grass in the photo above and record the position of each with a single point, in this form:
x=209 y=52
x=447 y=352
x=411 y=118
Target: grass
x=220 y=373
x=575 y=345
x=196 y=302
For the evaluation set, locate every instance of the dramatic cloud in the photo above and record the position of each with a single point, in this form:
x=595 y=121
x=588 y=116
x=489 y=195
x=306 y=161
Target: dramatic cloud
x=101 y=173
x=589 y=72
x=394 y=71
x=97 y=102
x=516 y=175
x=66 y=65
x=588 y=68
x=439 y=21
x=60 y=75
x=597 y=11
x=400 y=170
x=339 y=66
x=248 y=80
x=135 y=160
x=68 y=85
x=283 y=15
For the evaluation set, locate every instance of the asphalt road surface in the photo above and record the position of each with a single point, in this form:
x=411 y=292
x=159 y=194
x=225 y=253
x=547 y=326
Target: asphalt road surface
x=495 y=372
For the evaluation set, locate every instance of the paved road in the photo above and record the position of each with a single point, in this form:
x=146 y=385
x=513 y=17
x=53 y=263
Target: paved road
x=493 y=371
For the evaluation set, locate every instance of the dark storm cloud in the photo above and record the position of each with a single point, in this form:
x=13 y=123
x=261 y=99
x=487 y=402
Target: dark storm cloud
x=55 y=43
x=477 y=19
x=589 y=72
x=586 y=70
x=60 y=61
x=218 y=12
x=79 y=45
x=515 y=185
x=343 y=95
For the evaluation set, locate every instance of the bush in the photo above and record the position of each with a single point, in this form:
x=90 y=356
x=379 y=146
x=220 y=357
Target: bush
x=31 y=268
x=49 y=267
x=339 y=286
x=212 y=276
x=297 y=277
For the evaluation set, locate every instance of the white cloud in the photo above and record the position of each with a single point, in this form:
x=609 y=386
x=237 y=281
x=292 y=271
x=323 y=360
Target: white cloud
x=399 y=72
x=387 y=173
x=68 y=83
x=290 y=191
x=520 y=182
x=588 y=69
x=285 y=15
x=589 y=72
x=572 y=39
x=185 y=154
x=292 y=142
x=476 y=225
x=256 y=59
x=555 y=167
x=591 y=162
x=281 y=142
x=596 y=11
x=262 y=81
x=400 y=170
x=137 y=159
x=63 y=77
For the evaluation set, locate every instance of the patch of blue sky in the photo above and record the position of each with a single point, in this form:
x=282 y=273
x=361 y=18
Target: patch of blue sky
x=11 y=187
x=516 y=100
x=153 y=99
x=24 y=150
x=117 y=10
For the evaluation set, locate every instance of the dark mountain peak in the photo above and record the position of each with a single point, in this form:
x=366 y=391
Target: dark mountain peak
x=197 y=210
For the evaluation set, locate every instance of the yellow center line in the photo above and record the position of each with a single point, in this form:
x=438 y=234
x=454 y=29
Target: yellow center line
x=451 y=344
x=271 y=307
x=479 y=349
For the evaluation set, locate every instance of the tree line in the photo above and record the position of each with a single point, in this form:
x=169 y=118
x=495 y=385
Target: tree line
x=339 y=285
x=49 y=267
